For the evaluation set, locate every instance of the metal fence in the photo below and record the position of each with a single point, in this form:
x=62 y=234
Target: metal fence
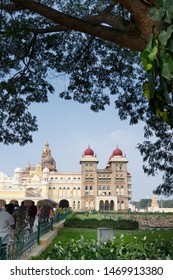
x=24 y=243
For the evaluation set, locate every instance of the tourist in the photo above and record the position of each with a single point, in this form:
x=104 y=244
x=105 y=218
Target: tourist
x=16 y=205
x=39 y=213
x=21 y=220
x=6 y=226
x=51 y=213
x=22 y=206
x=32 y=212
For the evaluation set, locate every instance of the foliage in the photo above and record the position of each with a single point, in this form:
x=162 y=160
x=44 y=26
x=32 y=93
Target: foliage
x=144 y=219
x=111 y=250
x=95 y=223
x=158 y=154
x=100 y=56
x=142 y=204
x=126 y=224
x=165 y=203
x=157 y=61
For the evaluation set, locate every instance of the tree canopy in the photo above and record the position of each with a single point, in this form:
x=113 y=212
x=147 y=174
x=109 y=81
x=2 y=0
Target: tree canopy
x=107 y=47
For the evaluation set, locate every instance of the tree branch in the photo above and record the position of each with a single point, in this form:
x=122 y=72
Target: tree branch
x=28 y=54
x=10 y=7
x=50 y=29
x=112 y=20
x=109 y=8
x=124 y=38
x=140 y=13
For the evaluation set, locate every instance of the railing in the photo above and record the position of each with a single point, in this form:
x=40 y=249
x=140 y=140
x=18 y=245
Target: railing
x=24 y=243
x=2 y=250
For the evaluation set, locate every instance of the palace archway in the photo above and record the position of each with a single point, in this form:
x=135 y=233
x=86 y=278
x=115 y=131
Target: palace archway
x=63 y=203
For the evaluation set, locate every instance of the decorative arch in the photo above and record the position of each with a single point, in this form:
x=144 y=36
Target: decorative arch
x=101 y=205
x=107 y=205
x=111 y=205
x=64 y=203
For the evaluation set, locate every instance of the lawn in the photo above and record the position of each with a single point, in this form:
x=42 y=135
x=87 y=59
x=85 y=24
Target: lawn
x=67 y=234
x=130 y=236
x=75 y=242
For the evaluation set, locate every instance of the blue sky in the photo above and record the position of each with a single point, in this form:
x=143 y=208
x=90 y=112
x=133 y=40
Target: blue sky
x=70 y=127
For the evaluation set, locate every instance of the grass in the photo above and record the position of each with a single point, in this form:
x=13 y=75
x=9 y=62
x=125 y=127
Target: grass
x=136 y=244
x=67 y=234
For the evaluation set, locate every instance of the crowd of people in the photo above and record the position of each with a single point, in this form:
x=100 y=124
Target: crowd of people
x=16 y=221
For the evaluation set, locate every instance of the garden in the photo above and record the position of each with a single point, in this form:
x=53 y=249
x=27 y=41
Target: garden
x=78 y=240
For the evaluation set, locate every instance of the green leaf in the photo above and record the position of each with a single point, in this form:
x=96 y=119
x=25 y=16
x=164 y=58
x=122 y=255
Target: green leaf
x=157 y=14
x=153 y=53
x=170 y=44
x=161 y=114
x=147 y=64
x=167 y=3
x=168 y=16
x=165 y=35
x=167 y=67
x=146 y=91
x=144 y=59
x=160 y=2
x=151 y=85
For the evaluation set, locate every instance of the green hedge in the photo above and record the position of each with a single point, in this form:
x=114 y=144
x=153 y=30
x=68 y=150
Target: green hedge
x=94 y=223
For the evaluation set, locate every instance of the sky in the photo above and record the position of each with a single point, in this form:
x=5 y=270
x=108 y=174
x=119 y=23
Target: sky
x=69 y=127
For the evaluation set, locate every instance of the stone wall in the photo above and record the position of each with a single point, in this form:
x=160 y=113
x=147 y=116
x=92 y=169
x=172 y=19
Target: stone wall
x=148 y=220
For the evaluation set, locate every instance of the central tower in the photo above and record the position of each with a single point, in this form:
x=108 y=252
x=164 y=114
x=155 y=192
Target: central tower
x=88 y=179
x=47 y=161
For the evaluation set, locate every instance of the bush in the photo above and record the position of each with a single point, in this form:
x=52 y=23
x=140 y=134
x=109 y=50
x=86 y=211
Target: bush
x=126 y=224
x=92 y=250
x=94 y=223
x=71 y=215
x=78 y=223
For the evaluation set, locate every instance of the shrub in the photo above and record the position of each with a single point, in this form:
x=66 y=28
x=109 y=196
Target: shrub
x=110 y=250
x=126 y=224
x=94 y=223
x=78 y=223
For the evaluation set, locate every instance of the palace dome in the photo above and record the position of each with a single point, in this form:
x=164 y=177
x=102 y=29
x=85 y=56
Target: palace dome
x=49 y=159
x=117 y=152
x=89 y=152
x=18 y=170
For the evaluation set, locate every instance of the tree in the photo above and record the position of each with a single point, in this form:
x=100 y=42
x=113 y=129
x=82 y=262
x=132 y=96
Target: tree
x=98 y=44
x=143 y=203
x=165 y=203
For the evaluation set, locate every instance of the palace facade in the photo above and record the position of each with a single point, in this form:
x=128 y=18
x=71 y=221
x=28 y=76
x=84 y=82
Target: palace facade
x=106 y=189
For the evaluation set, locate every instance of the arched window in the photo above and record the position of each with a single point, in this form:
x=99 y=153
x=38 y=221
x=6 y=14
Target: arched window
x=101 y=205
x=122 y=190
x=117 y=190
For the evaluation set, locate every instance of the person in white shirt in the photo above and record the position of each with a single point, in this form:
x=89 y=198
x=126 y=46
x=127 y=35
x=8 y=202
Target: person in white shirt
x=6 y=225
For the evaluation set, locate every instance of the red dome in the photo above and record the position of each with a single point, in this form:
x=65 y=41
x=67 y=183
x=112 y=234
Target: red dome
x=117 y=152
x=89 y=152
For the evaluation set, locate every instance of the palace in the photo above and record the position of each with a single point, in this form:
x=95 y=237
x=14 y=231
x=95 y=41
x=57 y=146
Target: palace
x=107 y=189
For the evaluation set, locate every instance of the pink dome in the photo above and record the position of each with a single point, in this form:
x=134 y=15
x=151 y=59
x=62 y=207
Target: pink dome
x=117 y=152
x=89 y=152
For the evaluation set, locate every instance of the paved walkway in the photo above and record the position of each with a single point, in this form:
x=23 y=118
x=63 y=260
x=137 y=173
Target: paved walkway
x=44 y=241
